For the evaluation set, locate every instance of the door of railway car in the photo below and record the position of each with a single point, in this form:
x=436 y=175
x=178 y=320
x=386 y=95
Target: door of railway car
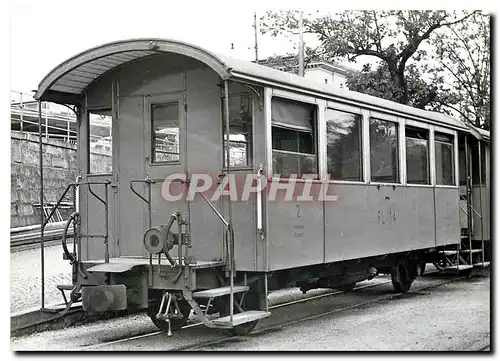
x=182 y=138
x=165 y=150
x=152 y=146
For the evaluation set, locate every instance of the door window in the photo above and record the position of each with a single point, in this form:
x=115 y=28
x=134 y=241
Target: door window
x=165 y=140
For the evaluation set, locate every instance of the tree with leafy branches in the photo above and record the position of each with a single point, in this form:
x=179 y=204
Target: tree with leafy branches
x=461 y=62
x=396 y=39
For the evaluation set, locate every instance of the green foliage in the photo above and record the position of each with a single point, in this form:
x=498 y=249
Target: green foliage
x=406 y=73
x=431 y=95
x=463 y=56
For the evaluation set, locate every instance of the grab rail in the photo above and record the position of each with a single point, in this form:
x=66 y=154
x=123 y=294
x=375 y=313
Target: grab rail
x=147 y=181
x=229 y=229
x=229 y=247
x=75 y=257
x=71 y=256
x=471 y=207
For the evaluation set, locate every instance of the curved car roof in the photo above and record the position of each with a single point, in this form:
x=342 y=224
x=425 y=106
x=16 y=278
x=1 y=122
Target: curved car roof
x=67 y=81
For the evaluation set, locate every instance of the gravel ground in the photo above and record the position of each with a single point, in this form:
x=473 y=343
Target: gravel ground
x=453 y=316
x=25 y=284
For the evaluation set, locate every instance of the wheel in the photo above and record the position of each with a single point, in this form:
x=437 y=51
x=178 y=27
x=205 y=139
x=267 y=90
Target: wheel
x=348 y=287
x=250 y=302
x=175 y=323
x=402 y=276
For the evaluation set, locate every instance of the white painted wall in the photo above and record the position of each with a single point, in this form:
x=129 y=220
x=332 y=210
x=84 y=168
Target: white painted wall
x=319 y=74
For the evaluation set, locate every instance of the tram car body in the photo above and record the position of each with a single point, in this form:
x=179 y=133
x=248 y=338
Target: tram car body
x=391 y=173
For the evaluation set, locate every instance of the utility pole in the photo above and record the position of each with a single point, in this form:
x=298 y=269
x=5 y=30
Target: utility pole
x=301 y=44
x=255 y=31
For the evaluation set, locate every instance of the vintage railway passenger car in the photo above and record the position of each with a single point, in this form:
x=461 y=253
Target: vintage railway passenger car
x=383 y=178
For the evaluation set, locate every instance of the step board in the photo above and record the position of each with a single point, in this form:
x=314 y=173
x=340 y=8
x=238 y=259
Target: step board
x=221 y=291
x=471 y=250
x=240 y=318
x=482 y=265
x=461 y=267
x=453 y=252
x=65 y=287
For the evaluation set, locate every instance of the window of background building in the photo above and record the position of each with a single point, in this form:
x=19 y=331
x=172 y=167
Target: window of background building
x=100 y=142
x=293 y=137
x=343 y=147
x=165 y=141
x=240 y=131
x=384 y=151
x=445 y=163
x=417 y=155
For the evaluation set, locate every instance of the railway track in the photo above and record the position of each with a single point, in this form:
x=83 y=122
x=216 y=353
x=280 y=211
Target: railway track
x=284 y=324
x=25 y=236
x=199 y=324
x=220 y=339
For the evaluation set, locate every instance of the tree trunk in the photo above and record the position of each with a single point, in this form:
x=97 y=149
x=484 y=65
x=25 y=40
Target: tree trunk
x=402 y=86
x=398 y=79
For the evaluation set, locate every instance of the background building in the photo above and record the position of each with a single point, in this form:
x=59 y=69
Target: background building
x=319 y=70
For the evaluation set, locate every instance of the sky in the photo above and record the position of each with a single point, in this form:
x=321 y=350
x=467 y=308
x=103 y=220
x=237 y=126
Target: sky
x=45 y=33
x=41 y=40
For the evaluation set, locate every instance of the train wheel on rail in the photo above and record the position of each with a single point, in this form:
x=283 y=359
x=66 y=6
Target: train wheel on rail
x=251 y=301
x=175 y=323
x=402 y=275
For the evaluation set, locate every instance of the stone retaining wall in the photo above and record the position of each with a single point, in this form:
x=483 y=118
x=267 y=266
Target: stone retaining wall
x=60 y=168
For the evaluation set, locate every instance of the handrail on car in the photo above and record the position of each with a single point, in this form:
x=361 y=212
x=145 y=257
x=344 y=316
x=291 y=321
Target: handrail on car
x=471 y=207
x=147 y=181
x=72 y=218
x=229 y=232
x=75 y=256
x=58 y=203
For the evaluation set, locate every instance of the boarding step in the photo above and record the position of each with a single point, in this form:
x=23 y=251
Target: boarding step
x=471 y=250
x=240 y=318
x=221 y=291
x=449 y=252
x=459 y=268
x=481 y=264
x=65 y=287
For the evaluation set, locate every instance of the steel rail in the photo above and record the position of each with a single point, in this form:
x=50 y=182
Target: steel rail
x=312 y=317
x=279 y=305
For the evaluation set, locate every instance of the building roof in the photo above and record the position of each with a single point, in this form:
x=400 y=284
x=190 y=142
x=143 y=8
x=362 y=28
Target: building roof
x=283 y=62
x=66 y=82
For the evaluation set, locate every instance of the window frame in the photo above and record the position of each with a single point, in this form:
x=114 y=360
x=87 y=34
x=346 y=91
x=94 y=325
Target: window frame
x=315 y=132
x=454 y=135
x=88 y=112
x=362 y=142
x=431 y=176
x=400 y=133
x=151 y=151
x=249 y=165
